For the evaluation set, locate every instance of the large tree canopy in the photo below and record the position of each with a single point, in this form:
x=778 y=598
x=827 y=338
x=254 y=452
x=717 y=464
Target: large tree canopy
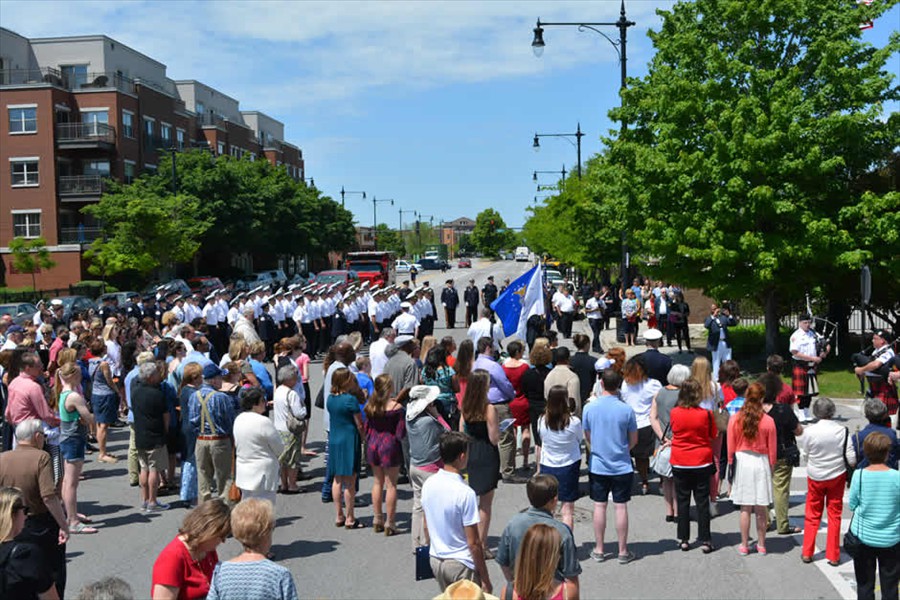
x=748 y=139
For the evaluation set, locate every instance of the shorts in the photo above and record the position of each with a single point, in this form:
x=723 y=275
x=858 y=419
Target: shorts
x=646 y=443
x=568 y=480
x=72 y=449
x=156 y=459
x=619 y=485
x=106 y=408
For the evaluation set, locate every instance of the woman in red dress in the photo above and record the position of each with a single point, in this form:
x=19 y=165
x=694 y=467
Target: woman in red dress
x=515 y=367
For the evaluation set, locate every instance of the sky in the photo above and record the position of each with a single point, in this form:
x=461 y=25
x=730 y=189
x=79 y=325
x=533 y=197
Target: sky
x=431 y=104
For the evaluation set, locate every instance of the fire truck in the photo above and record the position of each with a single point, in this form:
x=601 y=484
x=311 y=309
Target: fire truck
x=375 y=267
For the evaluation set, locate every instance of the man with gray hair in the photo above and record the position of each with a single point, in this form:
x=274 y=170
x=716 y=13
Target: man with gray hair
x=151 y=424
x=108 y=588
x=244 y=325
x=876 y=413
x=378 y=350
x=28 y=468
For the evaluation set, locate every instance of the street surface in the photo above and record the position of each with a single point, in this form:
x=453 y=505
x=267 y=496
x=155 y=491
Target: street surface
x=336 y=563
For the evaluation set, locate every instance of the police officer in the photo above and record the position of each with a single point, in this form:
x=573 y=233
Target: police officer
x=470 y=297
x=489 y=292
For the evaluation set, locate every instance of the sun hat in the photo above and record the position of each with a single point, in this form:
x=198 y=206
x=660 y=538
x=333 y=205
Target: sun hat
x=420 y=397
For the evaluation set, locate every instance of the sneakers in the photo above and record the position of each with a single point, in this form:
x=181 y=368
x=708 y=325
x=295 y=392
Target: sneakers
x=598 y=556
x=626 y=558
x=743 y=550
x=156 y=507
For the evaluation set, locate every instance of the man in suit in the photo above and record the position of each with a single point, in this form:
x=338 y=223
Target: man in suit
x=471 y=298
x=450 y=300
x=718 y=343
x=489 y=292
x=656 y=363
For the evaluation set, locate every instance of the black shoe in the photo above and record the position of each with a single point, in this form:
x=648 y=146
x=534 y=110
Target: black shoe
x=327 y=500
x=403 y=479
x=118 y=423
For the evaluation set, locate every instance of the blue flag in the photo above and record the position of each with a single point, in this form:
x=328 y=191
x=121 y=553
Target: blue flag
x=524 y=297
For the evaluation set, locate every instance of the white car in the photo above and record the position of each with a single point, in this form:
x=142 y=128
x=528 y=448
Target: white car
x=402 y=266
x=554 y=278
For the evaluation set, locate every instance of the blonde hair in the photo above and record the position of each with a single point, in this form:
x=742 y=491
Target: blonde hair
x=8 y=497
x=210 y=520
x=252 y=521
x=702 y=373
x=537 y=561
x=236 y=348
x=257 y=348
x=107 y=332
x=428 y=342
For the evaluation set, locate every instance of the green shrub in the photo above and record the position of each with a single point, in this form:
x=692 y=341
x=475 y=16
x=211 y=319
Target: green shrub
x=749 y=341
x=96 y=283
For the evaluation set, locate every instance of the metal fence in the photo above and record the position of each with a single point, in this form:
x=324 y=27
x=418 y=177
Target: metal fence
x=855 y=323
x=91 y=291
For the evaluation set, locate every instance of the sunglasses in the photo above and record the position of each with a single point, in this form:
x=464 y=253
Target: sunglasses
x=21 y=507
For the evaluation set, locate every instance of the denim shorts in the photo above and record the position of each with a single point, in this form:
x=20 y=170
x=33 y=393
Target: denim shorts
x=72 y=449
x=106 y=408
x=619 y=485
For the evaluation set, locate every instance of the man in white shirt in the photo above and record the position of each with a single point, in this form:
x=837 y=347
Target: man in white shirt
x=378 y=350
x=406 y=323
x=484 y=328
x=877 y=372
x=594 y=309
x=451 y=512
x=807 y=356
x=564 y=305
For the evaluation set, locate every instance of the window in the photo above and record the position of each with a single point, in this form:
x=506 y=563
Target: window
x=27 y=224
x=128 y=172
x=93 y=120
x=150 y=168
x=128 y=124
x=148 y=127
x=96 y=167
x=74 y=76
x=24 y=171
x=179 y=139
x=221 y=148
x=200 y=110
x=165 y=132
x=23 y=119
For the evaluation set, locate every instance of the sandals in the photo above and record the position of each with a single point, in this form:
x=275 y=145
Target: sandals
x=83 y=518
x=707 y=547
x=791 y=531
x=108 y=458
x=806 y=559
x=340 y=523
x=357 y=524
x=81 y=528
x=390 y=530
x=685 y=546
x=378 y=526
x=645 y=489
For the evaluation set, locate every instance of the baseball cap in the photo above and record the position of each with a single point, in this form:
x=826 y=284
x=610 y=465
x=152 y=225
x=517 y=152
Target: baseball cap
x=210 y=370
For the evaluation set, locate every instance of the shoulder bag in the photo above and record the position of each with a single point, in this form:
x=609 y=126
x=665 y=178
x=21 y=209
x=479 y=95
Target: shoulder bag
x=660 y=462
x=847 y=462
x=294 y=425
x=721 y=415
x=852 y=543
x=320 y=398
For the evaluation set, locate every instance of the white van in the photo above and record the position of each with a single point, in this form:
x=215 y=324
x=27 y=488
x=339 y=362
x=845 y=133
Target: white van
x=522 y=254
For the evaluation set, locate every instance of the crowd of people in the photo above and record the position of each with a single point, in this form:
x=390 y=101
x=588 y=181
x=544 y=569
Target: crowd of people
x=217 y=401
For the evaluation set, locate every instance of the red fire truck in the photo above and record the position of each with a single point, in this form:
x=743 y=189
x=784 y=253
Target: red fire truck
x=375 y=267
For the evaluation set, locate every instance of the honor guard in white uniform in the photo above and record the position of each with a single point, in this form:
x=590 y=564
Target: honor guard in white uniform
x=406 y=322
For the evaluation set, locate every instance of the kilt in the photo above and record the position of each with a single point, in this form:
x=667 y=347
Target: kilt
x=884 y=391
x=803 y=380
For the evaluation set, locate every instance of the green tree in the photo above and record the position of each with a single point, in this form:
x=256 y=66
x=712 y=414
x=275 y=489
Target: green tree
x=30 y=256
x=490 y=234
x=389 y=239
x=746 y=141
x=144 y=229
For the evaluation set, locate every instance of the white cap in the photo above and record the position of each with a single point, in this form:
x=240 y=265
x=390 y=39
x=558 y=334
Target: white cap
x=405 y=305
x=651 y=335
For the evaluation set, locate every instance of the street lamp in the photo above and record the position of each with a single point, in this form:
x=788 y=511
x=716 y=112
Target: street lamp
x=534 y=176
x=375 y=202
x=620 y=46
x=577 y=135
x=345 y=192
x=312 y=183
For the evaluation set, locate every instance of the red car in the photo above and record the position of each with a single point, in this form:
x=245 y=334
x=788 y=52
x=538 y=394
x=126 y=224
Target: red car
x=464 y=263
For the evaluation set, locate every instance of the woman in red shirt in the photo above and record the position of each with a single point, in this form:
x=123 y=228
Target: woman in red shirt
x=693 y=432
x=184 y=568
x=753 y=450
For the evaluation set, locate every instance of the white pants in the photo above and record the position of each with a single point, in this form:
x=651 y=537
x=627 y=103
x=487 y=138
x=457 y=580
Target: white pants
x=259 y=494
x=720 y=355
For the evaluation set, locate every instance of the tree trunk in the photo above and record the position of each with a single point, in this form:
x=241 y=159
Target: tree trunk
x=772 y=323
x=33 y=281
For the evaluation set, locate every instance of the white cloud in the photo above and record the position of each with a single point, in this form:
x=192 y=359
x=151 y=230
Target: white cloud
x=328 y=55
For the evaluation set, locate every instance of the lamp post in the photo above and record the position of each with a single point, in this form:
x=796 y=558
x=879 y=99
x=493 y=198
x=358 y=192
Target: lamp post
x=577 y=135
x=419 y=217
x=534 y=176
x=621 y=48
x=375 y=202
x=312 y=184
x=343 y=192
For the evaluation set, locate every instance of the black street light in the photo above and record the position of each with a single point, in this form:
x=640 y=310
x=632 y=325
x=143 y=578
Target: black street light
x=375 y=202
x=312 y=183
x=620 y=46
x=344 y=192
x=577 y=135
x=534 y=176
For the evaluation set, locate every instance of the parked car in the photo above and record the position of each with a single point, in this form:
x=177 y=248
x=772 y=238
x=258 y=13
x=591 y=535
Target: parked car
x=119 y=297
x=175 y=285
x=464 y=263
x=402 y=266
x=21 y=312
x=342 y=277
x=204 y=284
x=553 y=277
x=299 y=279
x=433 y=264
x=248 y=282
x=73 y=305
x=278 y=276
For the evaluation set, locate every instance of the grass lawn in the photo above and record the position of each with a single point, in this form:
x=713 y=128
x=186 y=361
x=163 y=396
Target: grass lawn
x=836 y=380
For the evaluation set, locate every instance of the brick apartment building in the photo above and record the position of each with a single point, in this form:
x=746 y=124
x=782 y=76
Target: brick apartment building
x=77 y=110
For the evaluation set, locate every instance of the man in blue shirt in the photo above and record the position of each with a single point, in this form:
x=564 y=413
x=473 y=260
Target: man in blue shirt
x=610 y=428
x=211 y=414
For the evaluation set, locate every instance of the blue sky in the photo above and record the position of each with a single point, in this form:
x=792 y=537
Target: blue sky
x=432 y=104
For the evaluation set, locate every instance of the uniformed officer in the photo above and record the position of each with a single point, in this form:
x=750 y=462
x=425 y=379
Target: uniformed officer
x=807 y=355
x=470 y=297
x=489 y=292
x=406 y=322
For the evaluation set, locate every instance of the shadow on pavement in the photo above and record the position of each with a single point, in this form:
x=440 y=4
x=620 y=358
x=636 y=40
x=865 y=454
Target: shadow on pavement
x=303 y=549
x=285 y=521
x=94 y=509
x=135 y=517
x=641 y=549
x=104 y=473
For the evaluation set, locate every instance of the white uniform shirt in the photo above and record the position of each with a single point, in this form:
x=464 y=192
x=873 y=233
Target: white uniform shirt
x=591 y=305
x=405 y=324
x=277 y=312
x=482 y=328
x=803 y=342
x=233 y=314
x=565 y=303
x=211 y=314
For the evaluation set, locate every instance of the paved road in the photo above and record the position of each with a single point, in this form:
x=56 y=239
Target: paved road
x=336 y=563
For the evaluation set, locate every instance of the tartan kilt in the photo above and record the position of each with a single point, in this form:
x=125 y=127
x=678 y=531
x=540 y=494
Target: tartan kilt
x=884 y=391
x=800 y=380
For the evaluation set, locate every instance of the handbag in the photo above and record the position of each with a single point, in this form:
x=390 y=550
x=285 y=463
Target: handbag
x=423 y=563
x=852 y=543
x=660 y=462
x=320 y=398
x=234 y=492
x=294 y=425
x=721 y=417
x=847 y=466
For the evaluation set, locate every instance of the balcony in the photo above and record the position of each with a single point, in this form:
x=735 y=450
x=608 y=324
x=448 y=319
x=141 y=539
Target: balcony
x=79 y=235
x=78 y=187
x=49 y=75
x=94 y=136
